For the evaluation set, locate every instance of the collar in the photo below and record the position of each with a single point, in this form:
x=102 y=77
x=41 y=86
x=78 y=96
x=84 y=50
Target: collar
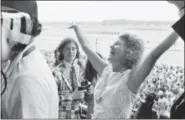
x=75 y=63
x=68 y=65
x=18 y=58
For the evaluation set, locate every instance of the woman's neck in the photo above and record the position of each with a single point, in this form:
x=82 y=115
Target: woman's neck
x=69 y=62
x=118 y=68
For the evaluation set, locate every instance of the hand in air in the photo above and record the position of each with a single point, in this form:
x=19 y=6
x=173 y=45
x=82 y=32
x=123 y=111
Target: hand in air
x=73 y=26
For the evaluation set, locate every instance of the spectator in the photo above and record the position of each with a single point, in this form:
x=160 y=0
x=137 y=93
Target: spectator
x=168 y=96
x=67 y=72
x=91 y=75
x=176 y=79
x=178 y=112
x=145 y=109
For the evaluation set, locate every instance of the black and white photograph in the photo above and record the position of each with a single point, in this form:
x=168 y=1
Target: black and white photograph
x=92 y=59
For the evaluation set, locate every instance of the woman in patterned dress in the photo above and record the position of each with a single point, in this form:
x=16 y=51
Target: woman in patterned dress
x=67 y=72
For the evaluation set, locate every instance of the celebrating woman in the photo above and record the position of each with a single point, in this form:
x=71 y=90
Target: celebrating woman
x=115 y=90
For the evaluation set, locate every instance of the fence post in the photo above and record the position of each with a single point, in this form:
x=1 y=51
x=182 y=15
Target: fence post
x=96 y=43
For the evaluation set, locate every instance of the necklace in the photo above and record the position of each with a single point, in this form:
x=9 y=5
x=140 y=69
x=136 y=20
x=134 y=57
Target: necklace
x=98 y=98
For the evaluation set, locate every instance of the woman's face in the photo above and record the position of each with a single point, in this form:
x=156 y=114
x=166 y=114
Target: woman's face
x=116 y=51
x=70 y=52
x=6 y=50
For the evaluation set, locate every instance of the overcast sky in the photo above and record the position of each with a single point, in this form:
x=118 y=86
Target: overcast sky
x=101 y=10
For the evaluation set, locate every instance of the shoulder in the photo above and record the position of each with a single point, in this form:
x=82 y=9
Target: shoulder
x=58 y=71
x=79 y=65
x=79 y=62
x=34 y=86
x=60 y=67
x=27 y=80
x=29 y=84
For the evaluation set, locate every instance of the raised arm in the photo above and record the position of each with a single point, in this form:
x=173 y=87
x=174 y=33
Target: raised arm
x=98 y=63
x=142 y=70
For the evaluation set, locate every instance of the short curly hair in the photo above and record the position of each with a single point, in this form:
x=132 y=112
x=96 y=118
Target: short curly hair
x=134 y=48
x=58 y=51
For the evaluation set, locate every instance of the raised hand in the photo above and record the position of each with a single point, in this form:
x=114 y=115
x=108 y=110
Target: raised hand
x=72 y=26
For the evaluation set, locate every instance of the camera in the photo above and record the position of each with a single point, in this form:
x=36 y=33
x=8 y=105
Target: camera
x=85 y=85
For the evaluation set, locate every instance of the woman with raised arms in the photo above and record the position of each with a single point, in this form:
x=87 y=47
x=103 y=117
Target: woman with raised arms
x=115 y=90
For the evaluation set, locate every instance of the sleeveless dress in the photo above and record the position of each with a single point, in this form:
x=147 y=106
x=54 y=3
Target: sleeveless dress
x=112 y=98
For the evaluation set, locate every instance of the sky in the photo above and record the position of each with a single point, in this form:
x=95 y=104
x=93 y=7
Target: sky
x=56 y=11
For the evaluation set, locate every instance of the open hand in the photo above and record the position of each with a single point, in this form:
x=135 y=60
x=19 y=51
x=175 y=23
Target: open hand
x=72 y=26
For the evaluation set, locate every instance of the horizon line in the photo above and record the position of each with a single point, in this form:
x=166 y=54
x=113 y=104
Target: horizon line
x=107 y=20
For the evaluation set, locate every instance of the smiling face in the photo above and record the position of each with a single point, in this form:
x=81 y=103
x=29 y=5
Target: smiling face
x=126 y=52
x=116 y=51
x=70 y=52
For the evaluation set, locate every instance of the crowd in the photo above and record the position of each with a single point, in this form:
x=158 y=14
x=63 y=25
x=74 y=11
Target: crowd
x=64 y=84
x=166 y=81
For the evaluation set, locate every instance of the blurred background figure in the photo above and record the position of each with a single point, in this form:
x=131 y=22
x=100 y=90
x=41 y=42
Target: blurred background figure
x=90 y=75
x=145 y=110
x=178 y=108
x=29 y=90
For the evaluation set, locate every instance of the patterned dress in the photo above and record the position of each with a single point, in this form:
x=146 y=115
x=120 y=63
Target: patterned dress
x=68 y=108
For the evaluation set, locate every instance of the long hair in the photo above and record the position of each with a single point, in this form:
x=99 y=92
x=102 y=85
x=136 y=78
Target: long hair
x=59 y=50
x=90 y=72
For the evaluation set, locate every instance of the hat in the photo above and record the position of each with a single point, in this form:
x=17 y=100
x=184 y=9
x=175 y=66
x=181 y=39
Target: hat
x=26 y=6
